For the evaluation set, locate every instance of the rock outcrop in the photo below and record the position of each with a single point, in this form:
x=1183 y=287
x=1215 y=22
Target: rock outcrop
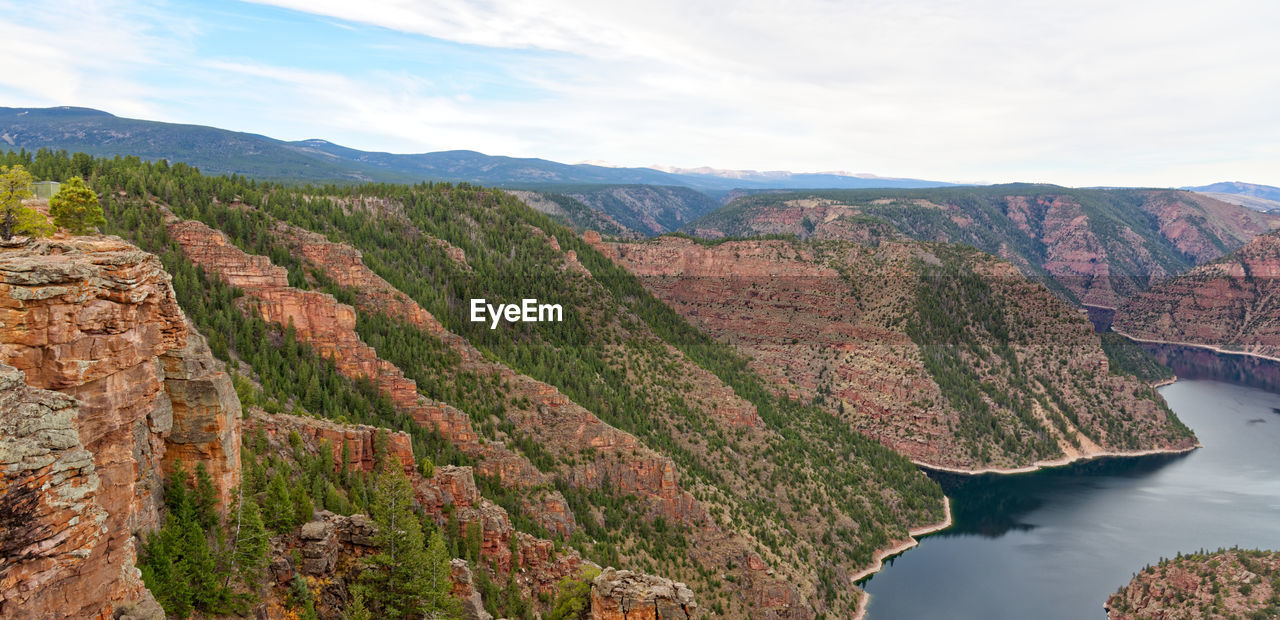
x=1229 y=583
x=96 y=319
x=625 y=595
x=450 y=491
x=1232 y=304
x=49 y=514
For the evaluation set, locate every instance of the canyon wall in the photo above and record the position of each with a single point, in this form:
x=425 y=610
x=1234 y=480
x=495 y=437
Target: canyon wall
x=96 y=319
x=1232 y=304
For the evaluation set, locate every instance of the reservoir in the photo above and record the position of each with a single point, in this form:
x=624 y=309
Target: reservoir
x=1055 y=543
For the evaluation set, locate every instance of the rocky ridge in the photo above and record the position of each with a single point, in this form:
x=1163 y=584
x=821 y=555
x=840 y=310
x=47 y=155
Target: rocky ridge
x=1100 y=245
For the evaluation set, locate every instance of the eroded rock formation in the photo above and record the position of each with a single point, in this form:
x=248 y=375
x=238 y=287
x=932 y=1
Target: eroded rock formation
x=96 y=319
x=625 y=595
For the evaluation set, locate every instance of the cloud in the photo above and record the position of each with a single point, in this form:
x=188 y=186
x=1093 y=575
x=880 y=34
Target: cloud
x=1086 y=92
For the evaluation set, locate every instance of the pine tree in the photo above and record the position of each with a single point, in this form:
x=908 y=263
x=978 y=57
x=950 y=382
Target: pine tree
x=356 y=610
x=303 y=510
x=277 y=504
x=252 y=546
x=397 y=576
x=204 y=499
x=76 y=208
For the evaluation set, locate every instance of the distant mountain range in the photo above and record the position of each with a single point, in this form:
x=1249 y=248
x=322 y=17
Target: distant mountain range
x=219 y=151
x=1251 y=195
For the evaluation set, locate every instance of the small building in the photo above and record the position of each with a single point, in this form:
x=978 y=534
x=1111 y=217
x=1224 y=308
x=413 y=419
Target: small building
x=45 y=189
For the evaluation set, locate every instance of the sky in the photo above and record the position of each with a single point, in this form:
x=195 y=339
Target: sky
x=1080 y=92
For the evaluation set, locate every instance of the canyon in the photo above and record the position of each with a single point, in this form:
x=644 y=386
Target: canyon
x=1095 y=247
x=831 y=322
x=95 y=320
x=1229 y=305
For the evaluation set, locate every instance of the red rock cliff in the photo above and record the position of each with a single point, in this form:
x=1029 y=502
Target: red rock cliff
x=96 y=319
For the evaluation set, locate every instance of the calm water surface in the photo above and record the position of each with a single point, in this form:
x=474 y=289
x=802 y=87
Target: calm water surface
x=1056 y=543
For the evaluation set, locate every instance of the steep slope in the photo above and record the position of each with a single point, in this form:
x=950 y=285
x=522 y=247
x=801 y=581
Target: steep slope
x=942 y=353
x=1232 y=304
x=574 y=213
x=642 y=423
x=96 y=319
x=1228 y=583
x=1095 y=246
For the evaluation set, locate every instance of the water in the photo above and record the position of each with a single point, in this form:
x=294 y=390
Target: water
x=1056 y=543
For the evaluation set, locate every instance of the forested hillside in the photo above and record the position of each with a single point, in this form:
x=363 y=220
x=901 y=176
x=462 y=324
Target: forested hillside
x=692 y=466
x=1093 y=246
x=939 y=351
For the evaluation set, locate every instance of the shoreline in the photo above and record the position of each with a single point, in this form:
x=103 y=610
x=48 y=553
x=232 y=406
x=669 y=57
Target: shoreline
x=1197 y=345
x=1160 y=384
x=883 y=554
x=1059 y=462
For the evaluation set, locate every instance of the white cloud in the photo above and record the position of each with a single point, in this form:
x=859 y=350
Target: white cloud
x=1086 y=92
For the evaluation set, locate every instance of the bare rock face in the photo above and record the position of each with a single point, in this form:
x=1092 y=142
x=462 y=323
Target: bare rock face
x=357 y=438
x=1228 y=304
x=206 y=414
x=49 y=512
x=464 y=590
x=625 y=595
x=93 y=318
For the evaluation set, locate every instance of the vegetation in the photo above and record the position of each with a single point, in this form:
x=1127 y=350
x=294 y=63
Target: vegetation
x=75 y=207
x=1128 y=358
x=619 y=352
x=191 y=562
x=16 y=219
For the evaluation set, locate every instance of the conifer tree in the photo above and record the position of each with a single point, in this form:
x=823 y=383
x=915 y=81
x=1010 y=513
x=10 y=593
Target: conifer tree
x=204 y=498
x=252 y=546
x=76 y=208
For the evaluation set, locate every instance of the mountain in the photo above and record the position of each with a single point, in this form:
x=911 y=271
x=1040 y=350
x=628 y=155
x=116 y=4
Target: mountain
x=941 y=352
x=1256 y=197
x=1096 y=246
x=219 y=151
x=618 y=436
x=1266 y=192
x=1231 y=303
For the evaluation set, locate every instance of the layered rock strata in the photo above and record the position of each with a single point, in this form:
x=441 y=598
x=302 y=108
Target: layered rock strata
x=1232 y=304
x=96 y=319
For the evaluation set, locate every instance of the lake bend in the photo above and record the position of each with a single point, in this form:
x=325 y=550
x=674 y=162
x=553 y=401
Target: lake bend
x=1053 y=544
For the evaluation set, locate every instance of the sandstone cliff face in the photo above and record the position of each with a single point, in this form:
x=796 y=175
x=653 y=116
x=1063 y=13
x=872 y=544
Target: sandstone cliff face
x=49 y=512
x=826 y=322
x=451 y=489
x=1232 y=583
x=96 y=319
x=624 y=595
x=1230 y=304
